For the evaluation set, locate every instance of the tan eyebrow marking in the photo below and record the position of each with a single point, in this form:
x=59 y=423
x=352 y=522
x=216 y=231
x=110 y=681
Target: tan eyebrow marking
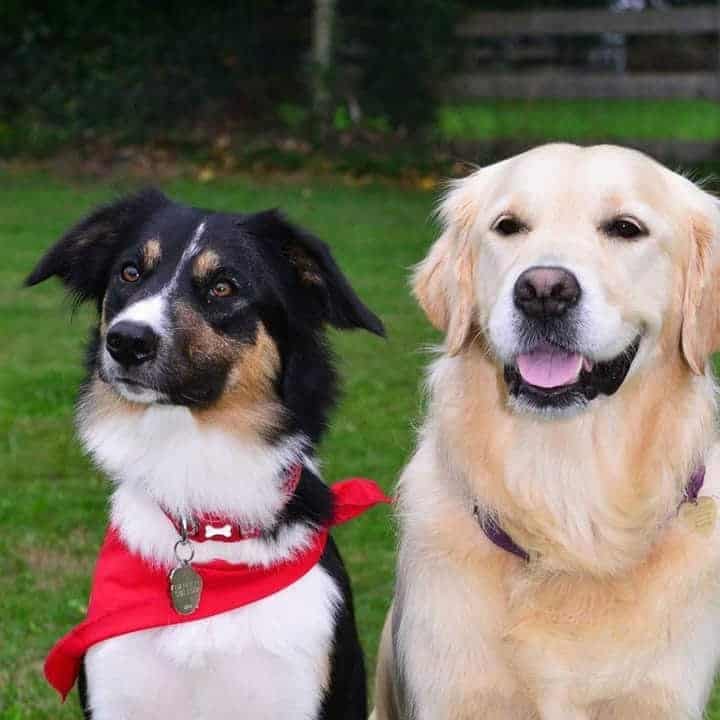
x=151 y=254
x=205 y=263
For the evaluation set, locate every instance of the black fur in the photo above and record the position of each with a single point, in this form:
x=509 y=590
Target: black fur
x=284 y=280
x=83 y=694
x=346 y=696
x=311 y=503
x=83 y=256
x=285 y=277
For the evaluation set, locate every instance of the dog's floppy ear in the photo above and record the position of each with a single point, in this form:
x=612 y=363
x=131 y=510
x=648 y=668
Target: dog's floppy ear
x=83 y=256
x=443 y=281
x=315 y=272
x=701 y=303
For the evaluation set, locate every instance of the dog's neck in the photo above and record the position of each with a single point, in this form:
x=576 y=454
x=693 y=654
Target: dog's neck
x=590 y=492
x=162 y=460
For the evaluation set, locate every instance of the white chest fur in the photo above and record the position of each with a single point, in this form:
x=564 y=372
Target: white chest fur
x=269 y=659
x=161 y=457
x=266 y=660
x=186 y=466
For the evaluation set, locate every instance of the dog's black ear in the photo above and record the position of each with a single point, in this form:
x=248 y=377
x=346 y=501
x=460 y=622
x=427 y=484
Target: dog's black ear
x=315 y=272
x=82 y=258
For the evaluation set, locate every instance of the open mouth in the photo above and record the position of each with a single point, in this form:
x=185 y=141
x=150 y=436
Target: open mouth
x=549 y=376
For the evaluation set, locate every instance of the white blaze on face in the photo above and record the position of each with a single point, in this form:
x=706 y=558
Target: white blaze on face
x=190 y=252
x=153 y=311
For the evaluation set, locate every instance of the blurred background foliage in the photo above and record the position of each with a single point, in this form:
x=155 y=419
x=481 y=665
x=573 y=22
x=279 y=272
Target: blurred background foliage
x=196 y=77
x=72 y=70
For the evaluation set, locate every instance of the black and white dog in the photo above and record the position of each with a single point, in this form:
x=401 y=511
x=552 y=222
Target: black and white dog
x=208 y=377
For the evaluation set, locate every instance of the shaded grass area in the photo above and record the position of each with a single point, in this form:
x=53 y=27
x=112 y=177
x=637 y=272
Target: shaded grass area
x=581 y=120
x=53 y=504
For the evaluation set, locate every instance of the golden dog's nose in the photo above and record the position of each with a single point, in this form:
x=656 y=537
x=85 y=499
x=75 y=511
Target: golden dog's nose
x=544 y=292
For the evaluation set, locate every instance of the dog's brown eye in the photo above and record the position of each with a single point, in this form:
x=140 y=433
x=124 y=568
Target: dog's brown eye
x=508 y=226
x=222 y=289
x=624 y=228
x=130 y=273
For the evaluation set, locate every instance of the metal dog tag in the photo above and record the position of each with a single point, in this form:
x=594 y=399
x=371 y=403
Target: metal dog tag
x=699 y=516
x=185 y=589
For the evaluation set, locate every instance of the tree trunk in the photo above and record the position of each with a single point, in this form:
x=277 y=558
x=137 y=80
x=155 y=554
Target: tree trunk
x=322 y=50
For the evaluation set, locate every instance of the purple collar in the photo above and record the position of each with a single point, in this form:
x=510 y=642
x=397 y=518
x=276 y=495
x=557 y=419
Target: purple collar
x=695 y=483
x=496 y=535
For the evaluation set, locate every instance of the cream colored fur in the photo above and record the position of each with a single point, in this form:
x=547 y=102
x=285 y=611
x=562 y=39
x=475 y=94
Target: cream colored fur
x=618 y=613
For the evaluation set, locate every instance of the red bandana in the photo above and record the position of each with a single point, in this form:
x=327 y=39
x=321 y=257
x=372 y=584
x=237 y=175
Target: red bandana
x=128 y=594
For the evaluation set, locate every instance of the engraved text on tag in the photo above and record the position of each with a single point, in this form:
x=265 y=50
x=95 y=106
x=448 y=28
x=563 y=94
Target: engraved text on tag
x=185 y=589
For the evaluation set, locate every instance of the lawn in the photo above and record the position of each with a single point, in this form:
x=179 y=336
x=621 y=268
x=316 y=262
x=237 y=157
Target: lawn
x=581 y=120
x=53 y=504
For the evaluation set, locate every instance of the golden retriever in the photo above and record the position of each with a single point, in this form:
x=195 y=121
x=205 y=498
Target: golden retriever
x=555 y=560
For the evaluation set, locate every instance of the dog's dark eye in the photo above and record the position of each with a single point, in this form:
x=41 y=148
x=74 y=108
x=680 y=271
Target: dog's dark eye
x=624 y=228
x=509 y=226
x=222 y=289
x=130 y=273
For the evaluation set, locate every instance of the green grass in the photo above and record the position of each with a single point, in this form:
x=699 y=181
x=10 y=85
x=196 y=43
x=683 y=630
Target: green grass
x=53 y=504
x=581 y=120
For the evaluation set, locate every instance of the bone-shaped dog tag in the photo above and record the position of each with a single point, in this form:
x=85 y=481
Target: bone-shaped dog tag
x=699 y=516
x=185 y=589
x=211 y=531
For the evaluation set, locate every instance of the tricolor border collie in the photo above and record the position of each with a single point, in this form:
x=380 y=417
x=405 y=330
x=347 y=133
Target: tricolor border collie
x=209 y=384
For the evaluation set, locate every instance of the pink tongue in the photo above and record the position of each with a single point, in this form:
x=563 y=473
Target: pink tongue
x=549 y=367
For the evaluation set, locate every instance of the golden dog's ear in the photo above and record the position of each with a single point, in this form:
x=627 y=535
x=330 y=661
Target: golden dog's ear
x=701 y=303
x=443 y=281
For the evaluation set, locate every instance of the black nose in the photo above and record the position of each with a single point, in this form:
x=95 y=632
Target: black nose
x=131 y=343
x=546 y=292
